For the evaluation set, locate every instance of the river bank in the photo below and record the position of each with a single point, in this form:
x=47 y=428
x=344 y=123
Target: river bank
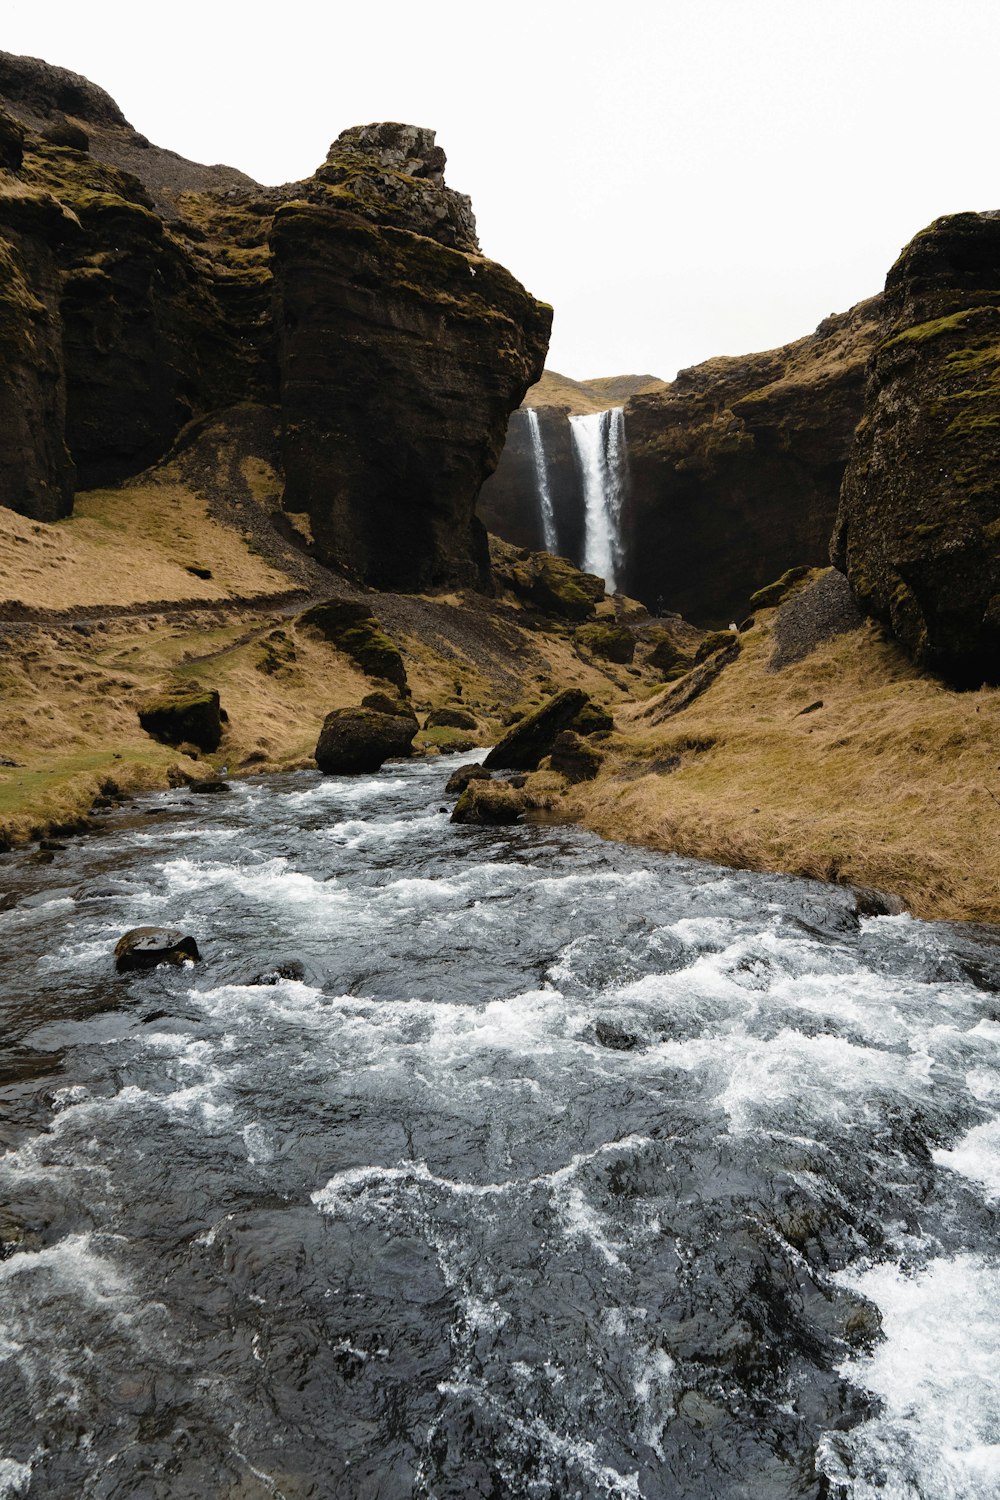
x=844 y=763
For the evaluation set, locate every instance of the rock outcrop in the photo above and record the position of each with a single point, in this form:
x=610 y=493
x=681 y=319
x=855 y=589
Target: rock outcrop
x=184 y=713
x=532 y=738
x=918 y=532
x=139 y=291
x=736 y=468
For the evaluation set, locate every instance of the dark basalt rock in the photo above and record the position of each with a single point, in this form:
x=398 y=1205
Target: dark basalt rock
x=146 y=947
x=289 y=969
x=182 y=715
x=525 y=745
x=349 y=625
x=451 y=718
x=918 y=532
x=489 y=802
x=459 y=780
x=573 y=758
x=871 y=903
x=362 y=739
x=211 y=787
x=546 y=583
x=735 y=468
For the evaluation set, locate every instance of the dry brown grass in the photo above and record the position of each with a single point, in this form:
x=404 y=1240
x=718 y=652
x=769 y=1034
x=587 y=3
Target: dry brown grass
x=129 y=545
x=894 y=783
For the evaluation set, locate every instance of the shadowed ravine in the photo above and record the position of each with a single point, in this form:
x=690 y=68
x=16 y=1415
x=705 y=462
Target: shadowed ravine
x=569 y=1170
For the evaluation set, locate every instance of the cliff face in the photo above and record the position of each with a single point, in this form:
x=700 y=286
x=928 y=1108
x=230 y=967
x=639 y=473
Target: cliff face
x=509 y=505
x=918 y=532
x=736 y=468
x=401 y=353
x=140 y=291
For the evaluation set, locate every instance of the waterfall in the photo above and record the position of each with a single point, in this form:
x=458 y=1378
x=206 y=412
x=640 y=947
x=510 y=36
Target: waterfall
x=599 y=439
x=546 y=511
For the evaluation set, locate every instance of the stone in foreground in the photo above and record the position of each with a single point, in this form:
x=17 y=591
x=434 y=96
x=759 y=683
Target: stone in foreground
x=354 y=740
x=146 y=947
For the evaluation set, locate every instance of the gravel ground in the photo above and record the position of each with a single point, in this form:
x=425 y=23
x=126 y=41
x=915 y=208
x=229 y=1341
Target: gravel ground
x=822 y=609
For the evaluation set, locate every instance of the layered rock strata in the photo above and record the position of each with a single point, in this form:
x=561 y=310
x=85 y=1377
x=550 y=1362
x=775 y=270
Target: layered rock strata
x=918 y=531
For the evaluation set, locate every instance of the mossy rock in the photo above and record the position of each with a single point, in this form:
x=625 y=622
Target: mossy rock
x=716 y=640
x=552 y=585
x=666 y=656
x=349 y=625
x=774 y=593
x=525 y=745
x=450 y=718
x=386 y=703
x=573 y=758
x=489 y=802
x=355 y=740
x=185 y=714
x=610 y=641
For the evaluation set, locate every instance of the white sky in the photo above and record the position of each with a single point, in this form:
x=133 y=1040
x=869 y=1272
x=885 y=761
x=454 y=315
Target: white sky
x=680 y=179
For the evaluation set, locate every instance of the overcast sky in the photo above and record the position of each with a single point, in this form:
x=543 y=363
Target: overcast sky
x=679 y=178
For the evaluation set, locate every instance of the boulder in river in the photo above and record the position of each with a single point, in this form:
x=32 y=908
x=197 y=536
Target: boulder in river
x=525 y=745
x=489 y=802
x=459 y=780
x=146 y=947
x=362 y=739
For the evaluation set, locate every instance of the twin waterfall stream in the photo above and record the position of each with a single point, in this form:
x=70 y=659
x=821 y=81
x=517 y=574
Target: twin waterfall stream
x=599 y=449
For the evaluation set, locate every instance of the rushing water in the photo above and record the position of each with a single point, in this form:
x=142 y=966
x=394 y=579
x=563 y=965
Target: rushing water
x=599 y=440
x=545 y=508
x=567 y=1170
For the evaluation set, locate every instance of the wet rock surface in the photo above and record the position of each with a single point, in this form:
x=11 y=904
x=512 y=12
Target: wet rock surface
x=147 y=947
x=567 y=1169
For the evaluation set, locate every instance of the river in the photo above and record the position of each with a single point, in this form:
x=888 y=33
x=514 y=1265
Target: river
x=568 y=1171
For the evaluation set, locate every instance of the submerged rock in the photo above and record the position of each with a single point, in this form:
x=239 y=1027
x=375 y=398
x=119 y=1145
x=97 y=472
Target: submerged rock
x=362 y=739
x=146 y=947
x=490 y=802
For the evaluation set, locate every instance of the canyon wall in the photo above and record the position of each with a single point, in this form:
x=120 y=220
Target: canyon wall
x=139 y=291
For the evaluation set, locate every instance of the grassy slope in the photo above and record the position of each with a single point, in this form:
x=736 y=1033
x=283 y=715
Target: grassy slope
x=69 y=685
x=894 y=782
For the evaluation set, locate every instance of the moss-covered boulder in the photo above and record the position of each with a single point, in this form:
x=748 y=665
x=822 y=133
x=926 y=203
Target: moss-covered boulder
x=547 y=583
x=607 y=640
x=451 y=718
x=918 y=532
x=489 y=802
x=183 y=713
x=774 y=593
x=666 y=655
x=529 y=741
x=574 y=758
x=388 y=703
x=362 y=739
x=349 y=625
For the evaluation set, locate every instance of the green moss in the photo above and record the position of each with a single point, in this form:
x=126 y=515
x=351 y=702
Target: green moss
x=774 y=593
x=920 y=333
x=347 y=625
x=716 y=640
x=611 y=642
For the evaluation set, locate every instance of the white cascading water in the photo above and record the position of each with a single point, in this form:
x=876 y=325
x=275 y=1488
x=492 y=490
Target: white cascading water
x=545 y=509
x=599 y=438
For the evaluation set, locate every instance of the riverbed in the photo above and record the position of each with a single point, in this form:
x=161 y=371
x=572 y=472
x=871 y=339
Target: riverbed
x=558 y=1169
